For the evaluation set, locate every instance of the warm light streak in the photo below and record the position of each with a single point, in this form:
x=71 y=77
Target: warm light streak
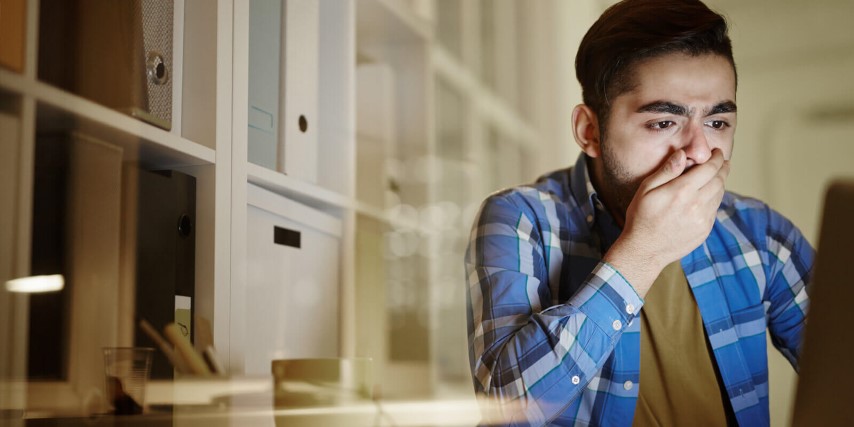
x=36 y=284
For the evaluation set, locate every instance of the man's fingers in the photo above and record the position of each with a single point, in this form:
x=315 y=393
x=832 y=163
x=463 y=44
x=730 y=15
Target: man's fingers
x=716 y=182
x=713 y=191
x=700 y=175
x=669 y=170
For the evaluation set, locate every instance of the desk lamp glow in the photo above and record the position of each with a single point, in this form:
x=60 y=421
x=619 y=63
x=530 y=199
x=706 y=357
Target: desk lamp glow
x=36 y=284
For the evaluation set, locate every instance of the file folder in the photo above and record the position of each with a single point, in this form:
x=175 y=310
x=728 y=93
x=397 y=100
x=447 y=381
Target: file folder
x=165 y=256
x=13 y=18
x=115 y=53
x=265 y=36
x=300 y=119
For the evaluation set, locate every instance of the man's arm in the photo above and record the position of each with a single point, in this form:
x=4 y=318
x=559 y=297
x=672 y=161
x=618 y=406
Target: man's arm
x=788 y=271
x=542 y=360
x=533 y=362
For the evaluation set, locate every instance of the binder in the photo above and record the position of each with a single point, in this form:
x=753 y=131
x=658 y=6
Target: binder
x=76 y=227
x=13 y=18
x=265 y=35
x=299 y=90
x=165 y=256
x=9 y=152
x=13 y=362
x=115 y=53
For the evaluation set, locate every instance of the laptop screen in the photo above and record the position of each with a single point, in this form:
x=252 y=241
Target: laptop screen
x=826 y=366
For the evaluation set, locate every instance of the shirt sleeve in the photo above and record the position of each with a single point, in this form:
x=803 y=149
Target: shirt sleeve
x=532 y=363
x=789 y=270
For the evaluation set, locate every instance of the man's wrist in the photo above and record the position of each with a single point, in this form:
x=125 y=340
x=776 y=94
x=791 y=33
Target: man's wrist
x=639 y=266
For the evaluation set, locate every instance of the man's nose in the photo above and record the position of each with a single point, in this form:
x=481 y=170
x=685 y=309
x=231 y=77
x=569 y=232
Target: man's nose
x=696 y=145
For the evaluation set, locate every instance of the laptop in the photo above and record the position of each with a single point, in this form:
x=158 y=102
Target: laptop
x=825 y=391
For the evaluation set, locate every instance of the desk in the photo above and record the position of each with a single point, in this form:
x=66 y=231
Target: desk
x=247 y=401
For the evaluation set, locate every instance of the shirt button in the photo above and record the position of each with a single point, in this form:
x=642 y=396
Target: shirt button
x=576 y=380
x=630 y=308
x=617 y=325
x=628 y=385
x=590 y=218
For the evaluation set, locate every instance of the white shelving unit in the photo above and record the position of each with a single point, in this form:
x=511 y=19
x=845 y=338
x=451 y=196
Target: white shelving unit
x=332 y=194
x=400 y=291
x=196 y=147
x=60 y=111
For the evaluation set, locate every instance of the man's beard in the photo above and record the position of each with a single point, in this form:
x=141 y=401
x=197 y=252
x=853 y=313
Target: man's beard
x=619 y=186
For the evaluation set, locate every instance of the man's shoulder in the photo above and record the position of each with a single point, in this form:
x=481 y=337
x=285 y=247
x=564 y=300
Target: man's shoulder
x=739 y=204
x=547 y=189
x=752 y=216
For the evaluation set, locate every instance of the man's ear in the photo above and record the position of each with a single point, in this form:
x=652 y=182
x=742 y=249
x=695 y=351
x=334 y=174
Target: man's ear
x=585 y=128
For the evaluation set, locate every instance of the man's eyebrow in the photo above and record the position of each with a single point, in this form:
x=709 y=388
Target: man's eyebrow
x=723 y=107
x=668 y=107
x=664 y=107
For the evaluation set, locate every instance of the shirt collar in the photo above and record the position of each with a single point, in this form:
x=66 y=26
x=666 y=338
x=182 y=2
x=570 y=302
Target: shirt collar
x=595 y=213
x=583 y=191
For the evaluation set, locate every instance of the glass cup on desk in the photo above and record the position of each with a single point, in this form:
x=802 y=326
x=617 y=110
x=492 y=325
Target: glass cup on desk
x=126 y=372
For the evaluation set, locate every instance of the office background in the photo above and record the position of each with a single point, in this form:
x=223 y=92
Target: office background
x=371 y=129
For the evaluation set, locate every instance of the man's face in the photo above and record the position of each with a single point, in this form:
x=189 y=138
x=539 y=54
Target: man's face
x=679 y=102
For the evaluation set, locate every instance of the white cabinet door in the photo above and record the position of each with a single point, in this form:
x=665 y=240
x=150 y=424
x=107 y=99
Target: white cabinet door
x=292 y=292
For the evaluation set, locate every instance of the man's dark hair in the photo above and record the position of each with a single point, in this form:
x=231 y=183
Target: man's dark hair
x=635 y=30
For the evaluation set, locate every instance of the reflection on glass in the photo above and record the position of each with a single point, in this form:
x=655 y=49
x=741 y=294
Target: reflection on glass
x=36 y=284
x=448 y=25
x=487 y=42
x=506 y=161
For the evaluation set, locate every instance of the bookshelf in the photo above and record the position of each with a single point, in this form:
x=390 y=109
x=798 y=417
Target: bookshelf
x=60 y=111
x=398 y=260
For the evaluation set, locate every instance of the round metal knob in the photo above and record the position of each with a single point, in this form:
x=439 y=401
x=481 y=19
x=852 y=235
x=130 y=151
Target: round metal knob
x=155 y=67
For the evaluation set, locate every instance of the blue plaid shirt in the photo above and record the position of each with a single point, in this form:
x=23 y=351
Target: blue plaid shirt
x=553 y=334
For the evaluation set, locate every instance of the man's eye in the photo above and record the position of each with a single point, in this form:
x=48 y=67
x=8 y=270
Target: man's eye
x=717 y=124
x=661 y=125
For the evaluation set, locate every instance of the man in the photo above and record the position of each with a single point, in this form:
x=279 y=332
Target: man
x=632 y=288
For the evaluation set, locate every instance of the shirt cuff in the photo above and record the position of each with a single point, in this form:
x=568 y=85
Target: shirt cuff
x=608 y=299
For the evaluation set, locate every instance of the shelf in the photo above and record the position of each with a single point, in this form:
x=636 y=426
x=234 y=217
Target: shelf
x=295 y=189
x=60 y=111
x=389 y=22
